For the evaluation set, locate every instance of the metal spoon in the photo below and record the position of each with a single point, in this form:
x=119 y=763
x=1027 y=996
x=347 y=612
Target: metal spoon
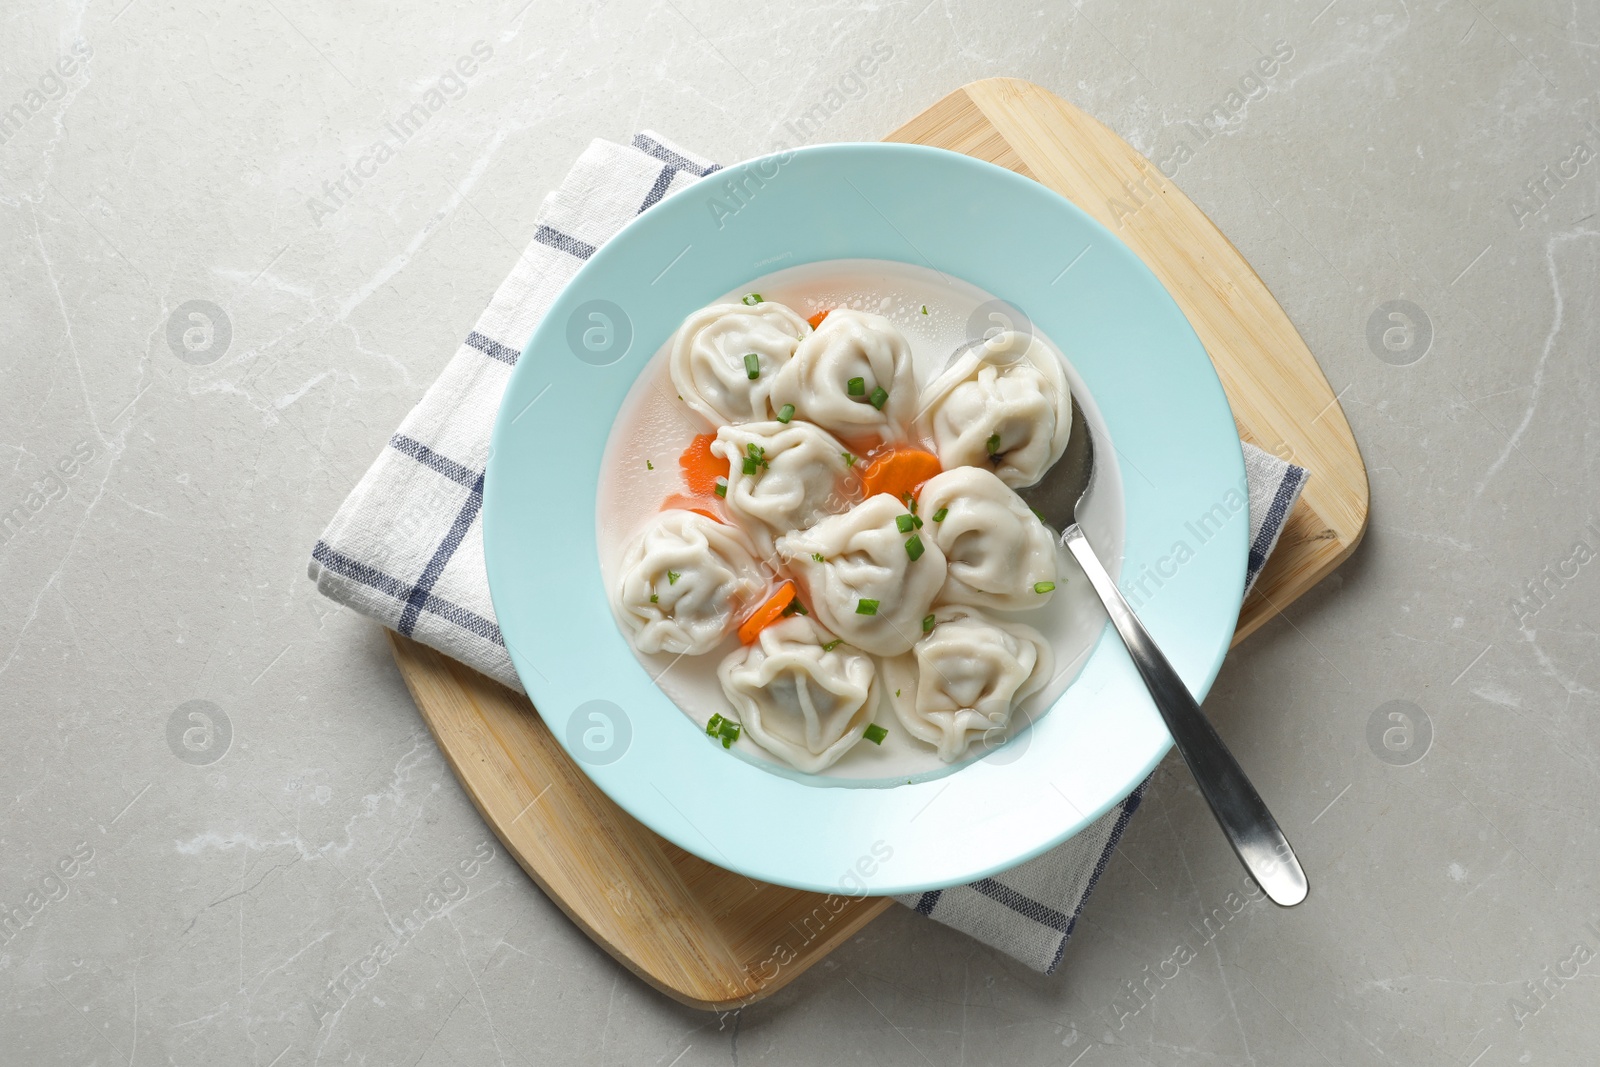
x=1239 y=809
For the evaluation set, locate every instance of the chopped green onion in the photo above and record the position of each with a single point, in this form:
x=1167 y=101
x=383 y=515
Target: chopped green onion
x=818 y=557
x=725 y=730
x=914 y=548
x=864 y=606
x=849 y=460
x=875 y=734
x=879 y=397
x=916 y=522
x=856 y=387
x=911 y=502
x=831 y=645
x=672 y=577
x=649 y=466
x=750 y=299
x=897 y=692
x=749 y=467
x=1038 y=516
x=924 y=309
x=722 y=489
x=938 y=516
x=786 y=413
x=1043 y=587
x=795 y=608
x=654 y=599
x=752 y=366
x=994 y=444
x=904 y=523
x=927 y=628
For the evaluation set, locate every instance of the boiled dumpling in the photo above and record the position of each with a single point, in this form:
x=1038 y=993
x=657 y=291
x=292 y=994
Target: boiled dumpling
x=965 y=678
x=686 y=582
x=1004 y=405
x=1000 y=554
x=869 y=574
x=852 y=377
x=781 y=477
x=709 y=366
x=800 y=693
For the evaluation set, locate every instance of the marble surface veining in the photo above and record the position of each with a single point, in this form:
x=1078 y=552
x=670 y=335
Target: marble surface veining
x=304 y=882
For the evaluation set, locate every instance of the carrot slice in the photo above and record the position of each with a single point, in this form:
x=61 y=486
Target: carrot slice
x=767 y=614
x=899 y=472
x=697 y=504
x=816 y=320
x=701 y=469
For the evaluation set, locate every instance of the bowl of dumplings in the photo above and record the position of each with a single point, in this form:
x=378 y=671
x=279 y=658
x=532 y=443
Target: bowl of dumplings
x=755 y=532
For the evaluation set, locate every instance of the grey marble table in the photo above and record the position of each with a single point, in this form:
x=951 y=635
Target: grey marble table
x=289 y=884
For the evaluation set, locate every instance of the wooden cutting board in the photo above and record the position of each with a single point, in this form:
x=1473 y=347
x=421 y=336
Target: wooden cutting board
x=713 y=939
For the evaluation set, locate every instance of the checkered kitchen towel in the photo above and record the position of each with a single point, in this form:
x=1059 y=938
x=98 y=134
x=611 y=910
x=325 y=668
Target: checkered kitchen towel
x=406 y=548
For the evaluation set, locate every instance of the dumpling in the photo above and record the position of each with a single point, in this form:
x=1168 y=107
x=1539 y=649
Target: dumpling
x=966 y=678
x=852 y=377
x=1000 y=554
x=796 y=473
x=801 y=694
x=709 y=364
x=1004 y=405
x=867 y=579
x=686 y=582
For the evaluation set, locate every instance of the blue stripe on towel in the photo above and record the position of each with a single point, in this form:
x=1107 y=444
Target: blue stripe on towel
x=426 y=456
x=441 y=558
x=492 y=348
x=420 y=598
x=345 y=567
x=651 y=147
x=659 y=189
x=1277 y=515
x=1042 y=914
x=549 y=235
x=1129 y=806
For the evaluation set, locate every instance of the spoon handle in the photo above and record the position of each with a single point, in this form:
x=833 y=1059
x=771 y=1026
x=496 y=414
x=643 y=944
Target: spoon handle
x=1239 y=809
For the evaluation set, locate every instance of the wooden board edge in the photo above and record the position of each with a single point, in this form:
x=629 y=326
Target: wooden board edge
x=1337 y=510
x=1260 y=607
x=955 y=118
x=414 y=659
x=409 y=656
x=815 y=954
x=1344 y=506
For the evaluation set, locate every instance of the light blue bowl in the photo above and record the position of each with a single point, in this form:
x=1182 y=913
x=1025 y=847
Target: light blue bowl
x=1146 y=371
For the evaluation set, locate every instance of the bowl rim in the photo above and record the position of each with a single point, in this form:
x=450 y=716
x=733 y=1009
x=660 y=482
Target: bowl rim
x=1191 y=614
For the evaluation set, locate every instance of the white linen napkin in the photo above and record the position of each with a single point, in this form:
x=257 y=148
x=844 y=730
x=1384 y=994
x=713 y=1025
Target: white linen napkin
x=406 y=547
